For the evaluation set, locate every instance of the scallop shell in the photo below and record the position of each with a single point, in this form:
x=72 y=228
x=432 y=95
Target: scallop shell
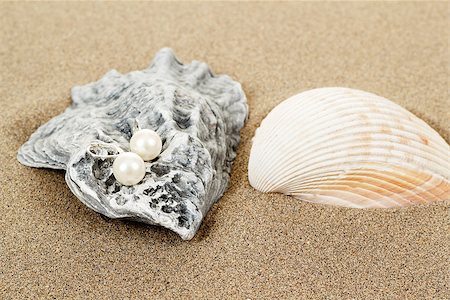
x=349 y=148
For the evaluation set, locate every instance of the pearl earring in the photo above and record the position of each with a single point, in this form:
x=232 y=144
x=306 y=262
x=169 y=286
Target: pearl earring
x=128 y=168
x=146 y=143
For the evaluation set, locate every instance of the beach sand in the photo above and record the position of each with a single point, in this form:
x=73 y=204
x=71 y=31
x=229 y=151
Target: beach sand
x=250 y=245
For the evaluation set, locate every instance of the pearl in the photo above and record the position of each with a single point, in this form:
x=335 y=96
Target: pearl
x=146 y=143
x=128 y=168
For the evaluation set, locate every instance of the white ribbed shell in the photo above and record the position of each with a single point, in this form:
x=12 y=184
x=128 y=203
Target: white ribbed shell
x=350 y=148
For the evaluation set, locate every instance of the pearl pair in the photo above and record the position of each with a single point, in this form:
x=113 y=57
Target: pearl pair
x=129 y=167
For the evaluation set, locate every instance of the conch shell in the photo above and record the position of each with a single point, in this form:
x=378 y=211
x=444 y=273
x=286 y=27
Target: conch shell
x=350 y=148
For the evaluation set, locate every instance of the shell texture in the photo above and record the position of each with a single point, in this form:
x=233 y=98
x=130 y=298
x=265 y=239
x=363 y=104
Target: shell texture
x=198 y=116
x=350 y=148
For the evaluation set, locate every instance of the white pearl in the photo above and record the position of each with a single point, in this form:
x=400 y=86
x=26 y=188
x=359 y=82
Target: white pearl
x=128 y=168
x=146 y=143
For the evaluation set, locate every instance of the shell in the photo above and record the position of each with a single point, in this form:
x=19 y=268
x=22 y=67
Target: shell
x=350 y=148
x=198 y=116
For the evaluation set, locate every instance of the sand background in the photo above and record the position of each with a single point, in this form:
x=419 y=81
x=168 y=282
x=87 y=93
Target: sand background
x=250 y=245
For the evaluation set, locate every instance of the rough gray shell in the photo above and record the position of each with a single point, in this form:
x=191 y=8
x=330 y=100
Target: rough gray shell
x=198 y=116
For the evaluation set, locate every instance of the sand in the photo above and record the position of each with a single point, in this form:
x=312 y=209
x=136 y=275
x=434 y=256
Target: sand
x=250 y=245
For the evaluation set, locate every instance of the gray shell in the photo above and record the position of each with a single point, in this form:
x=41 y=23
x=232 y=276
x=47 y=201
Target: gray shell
x=198 y=116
